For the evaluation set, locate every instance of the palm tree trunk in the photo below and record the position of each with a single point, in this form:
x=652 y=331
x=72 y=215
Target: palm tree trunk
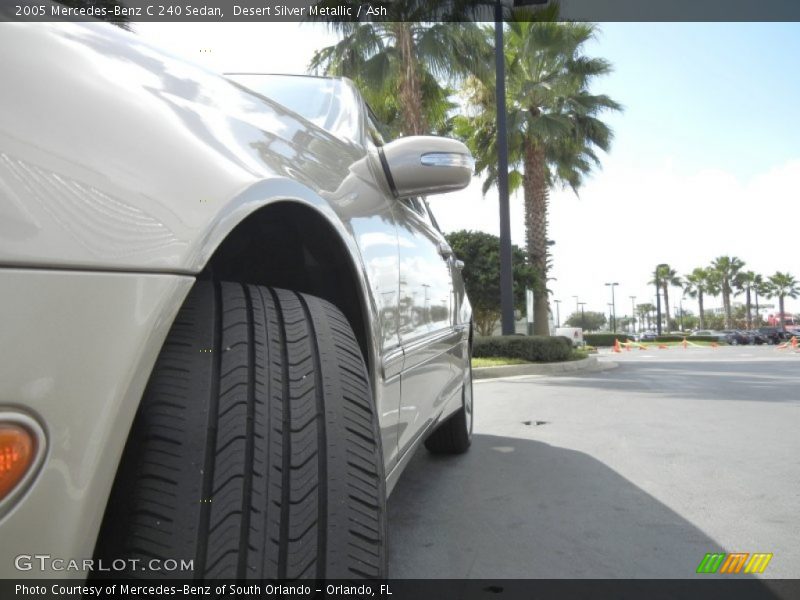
x=747 y=304
x=781 y=313
x=726 y=305
x=666 y=303
x=758 y=315
x=410 y=93
x=536 y=198
x=702 y=311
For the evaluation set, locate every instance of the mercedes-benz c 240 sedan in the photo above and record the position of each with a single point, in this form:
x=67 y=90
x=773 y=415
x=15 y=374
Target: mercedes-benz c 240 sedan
x=227 y=315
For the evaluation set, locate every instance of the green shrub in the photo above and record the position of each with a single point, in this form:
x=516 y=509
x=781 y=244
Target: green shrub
x=679 y=338
x=695 y=338
x=527 y=347
x=604 y=340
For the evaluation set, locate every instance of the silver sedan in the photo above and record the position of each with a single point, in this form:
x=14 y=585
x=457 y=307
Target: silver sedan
x=228 y=317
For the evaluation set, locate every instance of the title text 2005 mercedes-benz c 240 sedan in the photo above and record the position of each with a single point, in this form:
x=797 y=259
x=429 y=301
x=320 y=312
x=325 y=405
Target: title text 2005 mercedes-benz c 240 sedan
x=227 y=315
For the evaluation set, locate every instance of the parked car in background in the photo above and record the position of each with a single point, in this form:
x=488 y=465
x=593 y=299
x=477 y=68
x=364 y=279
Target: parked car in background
x=229 y=318
x=646 y=336
x=573 y=333
x=773 y=335
x=702 y=333
x=758 y=337
x=738 y=337
x=792 y=332
x=720 y=336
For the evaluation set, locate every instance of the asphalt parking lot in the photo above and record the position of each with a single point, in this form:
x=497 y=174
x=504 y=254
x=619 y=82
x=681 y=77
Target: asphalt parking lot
x=633 y=472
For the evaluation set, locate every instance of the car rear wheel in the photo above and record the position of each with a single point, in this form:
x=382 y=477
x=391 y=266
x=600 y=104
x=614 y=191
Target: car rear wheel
x=255 y=452
x=454 y=436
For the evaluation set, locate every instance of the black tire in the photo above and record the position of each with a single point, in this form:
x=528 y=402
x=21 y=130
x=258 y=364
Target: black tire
x=454 y=436
x=256 y=449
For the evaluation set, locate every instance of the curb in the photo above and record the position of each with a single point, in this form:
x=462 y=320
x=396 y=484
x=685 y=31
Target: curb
x=589 y=364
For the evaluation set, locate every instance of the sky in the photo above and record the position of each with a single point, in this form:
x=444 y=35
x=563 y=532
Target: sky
x=705 y=160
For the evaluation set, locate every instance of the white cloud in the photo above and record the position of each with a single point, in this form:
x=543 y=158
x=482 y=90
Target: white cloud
x=631 y=217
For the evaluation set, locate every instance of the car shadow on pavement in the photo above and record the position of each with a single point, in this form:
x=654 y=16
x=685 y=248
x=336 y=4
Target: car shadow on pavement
x=517 y=508
x=730 y=380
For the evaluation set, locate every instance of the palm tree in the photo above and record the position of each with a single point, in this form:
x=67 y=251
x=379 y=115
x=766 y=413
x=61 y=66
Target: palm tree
x=665 y=276
x=399 y=64
x=780 y=286
x=759 y=287
x=696 y=284
x=746 y=282
x=553 y=126
x=725 y=270
x=645 y=311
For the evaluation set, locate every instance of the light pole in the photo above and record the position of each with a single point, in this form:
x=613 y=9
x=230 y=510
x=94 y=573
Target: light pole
x=506 y=280
x=558 y=312
x=506 y=274
x=583 y=318
x=658 y=297
x=610 y=313
x=633 y=312
x=613 y=307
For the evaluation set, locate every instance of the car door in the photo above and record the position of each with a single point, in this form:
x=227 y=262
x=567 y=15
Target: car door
x=426 y=309
x=376 y=237
x=371 y=220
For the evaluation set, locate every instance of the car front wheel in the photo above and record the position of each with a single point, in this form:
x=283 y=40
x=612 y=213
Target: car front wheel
x=255 y=452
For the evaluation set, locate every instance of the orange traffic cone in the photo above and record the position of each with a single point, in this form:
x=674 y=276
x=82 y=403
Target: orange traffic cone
x=684 y=343
x=714 y=344
x=616 y=345
x=794 y=342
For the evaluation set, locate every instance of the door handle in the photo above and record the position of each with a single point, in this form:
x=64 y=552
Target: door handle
x=445 y=250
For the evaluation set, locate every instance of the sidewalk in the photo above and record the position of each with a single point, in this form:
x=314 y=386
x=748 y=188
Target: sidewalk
x=590 y=364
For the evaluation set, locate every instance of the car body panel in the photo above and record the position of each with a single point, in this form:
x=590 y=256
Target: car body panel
x=75 y=199
x=212 y=152
x=426 y=325
x=113 y=322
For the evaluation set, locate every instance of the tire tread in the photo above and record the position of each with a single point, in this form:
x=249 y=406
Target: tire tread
x=256 y=449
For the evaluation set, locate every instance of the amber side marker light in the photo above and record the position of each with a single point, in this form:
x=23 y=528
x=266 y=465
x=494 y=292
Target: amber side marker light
x=17 y=452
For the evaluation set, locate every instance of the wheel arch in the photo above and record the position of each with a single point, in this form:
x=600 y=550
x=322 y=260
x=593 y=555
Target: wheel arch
x=282 y=234
x=273 y=236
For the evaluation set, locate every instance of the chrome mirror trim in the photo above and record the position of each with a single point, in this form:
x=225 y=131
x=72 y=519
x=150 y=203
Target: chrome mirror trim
x=447 y=159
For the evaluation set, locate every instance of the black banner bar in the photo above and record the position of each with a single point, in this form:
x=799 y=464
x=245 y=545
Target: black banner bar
x=395 y=10
x=408 y=589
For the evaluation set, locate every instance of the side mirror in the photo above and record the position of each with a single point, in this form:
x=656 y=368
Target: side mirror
x=425 y=165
